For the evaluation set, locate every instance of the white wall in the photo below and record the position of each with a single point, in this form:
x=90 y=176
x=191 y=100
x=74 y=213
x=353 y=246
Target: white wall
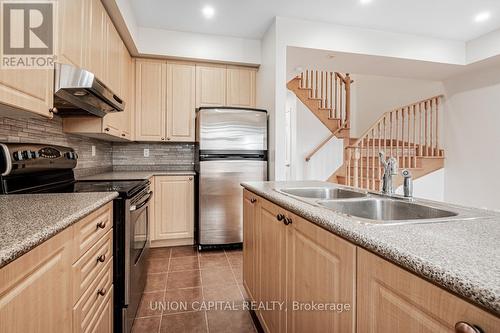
x=472 y=139
x=198 y=46
x=266 y=89
x=483 y=47
x=374 y=95
x=309 y=133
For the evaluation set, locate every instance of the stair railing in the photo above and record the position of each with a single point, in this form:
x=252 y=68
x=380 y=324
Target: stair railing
x=405 y=133
x=333 y=91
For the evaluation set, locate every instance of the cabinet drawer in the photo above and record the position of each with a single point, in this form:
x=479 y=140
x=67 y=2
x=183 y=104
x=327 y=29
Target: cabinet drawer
x=88 y=267
x=92 y=228
x=86 y=311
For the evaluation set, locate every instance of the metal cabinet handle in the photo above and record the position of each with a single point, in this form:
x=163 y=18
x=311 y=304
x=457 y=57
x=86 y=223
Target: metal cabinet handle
x=253 y=200
x=101 y=225
x=101 y=292
x=123 y=134
x=190 y=178
x=163 y=139
x=107 y=129
x=464 y=327
x=101 y=258
x=287 y=221
x=280 y=217
x=168 y=139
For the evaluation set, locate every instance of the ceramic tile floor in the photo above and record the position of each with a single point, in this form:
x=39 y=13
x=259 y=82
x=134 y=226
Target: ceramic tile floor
x=184 y=274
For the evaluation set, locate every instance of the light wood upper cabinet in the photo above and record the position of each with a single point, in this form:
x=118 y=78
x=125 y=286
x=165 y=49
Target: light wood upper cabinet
x=35 y=289
x=113 y=57
x=71 y=31
x=96 y=32
x=210 y=85
x=150 y=90
x=271 y=277
x=241 y=86
x=29 y=90
x=181 y=101
x=392 y=299
x=174 y=208
x=321 y=268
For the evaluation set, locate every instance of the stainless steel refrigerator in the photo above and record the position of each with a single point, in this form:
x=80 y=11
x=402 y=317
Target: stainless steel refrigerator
x=231 y=148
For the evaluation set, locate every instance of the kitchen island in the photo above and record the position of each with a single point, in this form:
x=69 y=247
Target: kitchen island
x=460 y=257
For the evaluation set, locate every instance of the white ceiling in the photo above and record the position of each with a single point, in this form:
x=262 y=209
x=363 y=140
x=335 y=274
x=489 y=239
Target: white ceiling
x=451 y=19
x=303 y=58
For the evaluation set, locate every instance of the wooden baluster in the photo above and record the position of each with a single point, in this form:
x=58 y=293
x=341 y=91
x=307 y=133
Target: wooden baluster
x=403 y=125
x=361 y=163
x=397 y=134
x=379 y=127
x=341 y=93
x=408 y=140
x=321 y=90
x=316 y=90
x=347 y=99
x=336 y=96
x=348 y=171
x=390 y=133
x=431 y=129
x=373 y=159
x=438 y=153
x=425 y=128
x=356 y=166
x=302 y=80
x=420 y=145
x=414 y=149
x=332 y=108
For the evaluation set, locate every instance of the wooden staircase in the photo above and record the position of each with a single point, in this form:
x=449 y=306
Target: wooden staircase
x=409 y=133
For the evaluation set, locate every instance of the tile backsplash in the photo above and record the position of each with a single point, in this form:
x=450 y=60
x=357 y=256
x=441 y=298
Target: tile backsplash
x=118 y=156
x=39 y=130
x=162 y=156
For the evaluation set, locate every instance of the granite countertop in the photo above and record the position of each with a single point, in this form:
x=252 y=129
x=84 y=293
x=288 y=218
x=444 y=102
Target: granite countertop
x=27 y=220
x=461 y=256
x=134 y=175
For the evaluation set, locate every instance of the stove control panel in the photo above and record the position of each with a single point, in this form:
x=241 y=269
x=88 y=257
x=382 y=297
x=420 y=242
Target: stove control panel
x=17 y=158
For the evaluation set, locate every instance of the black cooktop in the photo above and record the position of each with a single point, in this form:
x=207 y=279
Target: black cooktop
x=126 y=188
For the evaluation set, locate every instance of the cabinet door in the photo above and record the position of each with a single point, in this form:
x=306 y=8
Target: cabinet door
x=271 y=277
x=104 y=322
x=72 y=31
x=150 y=100
x=29 y=90
x=120 y=122
x=210 y=85
x=321 y=269
x=181 y=101
x=395 y=300
x=240 y=87
x=113 y=56
x=174 y=205
x=35 y=289
x=250 y=262
x=95 y=58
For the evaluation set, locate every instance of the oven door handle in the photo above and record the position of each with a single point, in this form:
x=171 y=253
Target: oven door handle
x=143 y=203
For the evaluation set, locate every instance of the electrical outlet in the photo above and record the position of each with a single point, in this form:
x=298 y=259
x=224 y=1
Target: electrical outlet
x=146 y=152
x=93 y=150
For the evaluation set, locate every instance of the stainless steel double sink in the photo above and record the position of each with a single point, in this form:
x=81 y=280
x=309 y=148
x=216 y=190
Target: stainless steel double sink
x=372 y=208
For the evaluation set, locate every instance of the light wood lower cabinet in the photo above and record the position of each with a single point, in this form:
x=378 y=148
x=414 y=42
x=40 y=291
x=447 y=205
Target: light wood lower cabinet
x=391 y=299
x=320 y=269
x=63 y=285
x=174 y=211
x=299 y=263
x=250 y=231
x=272 y=267
x=35 y=289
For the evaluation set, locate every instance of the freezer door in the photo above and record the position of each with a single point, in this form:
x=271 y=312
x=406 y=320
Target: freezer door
x=231 y=129
x=220 y=199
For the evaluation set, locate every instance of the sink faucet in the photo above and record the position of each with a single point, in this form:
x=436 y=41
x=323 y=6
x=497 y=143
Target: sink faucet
x=390 y=169
x=407 y=184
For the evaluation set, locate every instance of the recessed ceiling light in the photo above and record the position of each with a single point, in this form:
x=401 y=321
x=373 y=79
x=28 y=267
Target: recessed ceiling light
x=483 y=16
x=208 y=12
x=365 y=2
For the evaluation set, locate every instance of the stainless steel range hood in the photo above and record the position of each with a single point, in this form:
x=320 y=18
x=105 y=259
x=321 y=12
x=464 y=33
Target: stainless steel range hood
x=78 y=92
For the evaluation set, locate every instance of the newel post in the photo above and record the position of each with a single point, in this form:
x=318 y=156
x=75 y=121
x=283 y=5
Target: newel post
x=347 y=100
